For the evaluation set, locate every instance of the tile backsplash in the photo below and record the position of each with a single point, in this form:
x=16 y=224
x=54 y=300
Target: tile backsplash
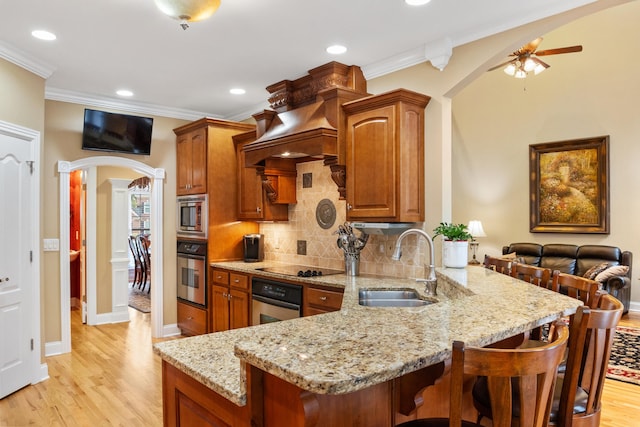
x=281 y=239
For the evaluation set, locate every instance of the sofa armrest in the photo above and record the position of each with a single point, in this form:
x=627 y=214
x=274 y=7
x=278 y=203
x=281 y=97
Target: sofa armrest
x=615 y=283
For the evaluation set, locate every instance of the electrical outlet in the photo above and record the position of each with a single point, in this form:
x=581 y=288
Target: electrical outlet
x=307 y=180
x=302 y=247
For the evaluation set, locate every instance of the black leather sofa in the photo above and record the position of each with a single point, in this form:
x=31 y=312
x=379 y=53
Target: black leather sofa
x=577 y=260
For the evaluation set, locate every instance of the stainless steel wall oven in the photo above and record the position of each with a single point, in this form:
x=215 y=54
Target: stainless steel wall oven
x=192 y=271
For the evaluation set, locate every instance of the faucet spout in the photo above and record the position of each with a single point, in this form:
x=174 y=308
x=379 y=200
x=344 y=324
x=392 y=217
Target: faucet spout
x=397 y=253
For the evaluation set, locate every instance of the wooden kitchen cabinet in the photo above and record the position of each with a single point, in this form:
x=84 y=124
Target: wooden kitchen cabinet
x=318 y=300
x=191 y=319
x=206 y=164
x=191 y=158
x=252 y=201
x=385 y=157
x=230 y=300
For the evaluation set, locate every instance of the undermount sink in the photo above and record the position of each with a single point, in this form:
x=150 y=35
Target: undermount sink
x=391 y=298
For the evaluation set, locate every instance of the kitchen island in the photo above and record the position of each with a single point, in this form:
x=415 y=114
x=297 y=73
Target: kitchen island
x=349 y=363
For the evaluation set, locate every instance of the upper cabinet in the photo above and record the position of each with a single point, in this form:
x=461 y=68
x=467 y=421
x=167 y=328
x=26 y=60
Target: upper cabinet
x=191 y=155
x=385 y=157
x=253 y=203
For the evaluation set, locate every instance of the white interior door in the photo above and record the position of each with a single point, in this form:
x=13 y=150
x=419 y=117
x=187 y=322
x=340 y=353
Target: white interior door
x=16 y=264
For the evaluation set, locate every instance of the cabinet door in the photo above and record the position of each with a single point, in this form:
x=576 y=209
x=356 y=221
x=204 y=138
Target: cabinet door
x=191 y=162
x=239 y=309
x=371 y=164
x=250 y=194
x=220 y=307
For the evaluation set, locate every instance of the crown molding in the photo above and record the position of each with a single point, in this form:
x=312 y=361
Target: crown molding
x=26 y=61
x=62 y=95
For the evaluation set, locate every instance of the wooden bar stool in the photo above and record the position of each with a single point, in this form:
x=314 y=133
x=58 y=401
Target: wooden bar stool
x=497 y=264
x=584 y=289
x=527 y=373
x=538 y=276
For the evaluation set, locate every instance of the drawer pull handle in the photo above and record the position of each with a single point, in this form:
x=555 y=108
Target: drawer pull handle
x=237 y=281
x=323 y=298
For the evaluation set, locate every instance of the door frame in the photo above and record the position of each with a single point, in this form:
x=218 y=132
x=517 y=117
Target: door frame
x=38 y=371
x=157 y=280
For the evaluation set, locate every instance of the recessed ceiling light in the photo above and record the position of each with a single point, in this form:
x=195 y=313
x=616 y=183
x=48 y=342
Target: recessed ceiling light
x=43 y=35
x=124 y=92
x=336 y=49
x=237 y=91
x=416 y=2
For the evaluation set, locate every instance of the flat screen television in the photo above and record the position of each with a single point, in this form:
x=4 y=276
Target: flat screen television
x=119 y=133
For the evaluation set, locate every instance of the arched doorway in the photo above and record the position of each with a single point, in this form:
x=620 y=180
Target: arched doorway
x=157 y=176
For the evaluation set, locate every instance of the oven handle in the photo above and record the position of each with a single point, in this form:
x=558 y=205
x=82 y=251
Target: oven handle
x=189 y=256
x=275 y=302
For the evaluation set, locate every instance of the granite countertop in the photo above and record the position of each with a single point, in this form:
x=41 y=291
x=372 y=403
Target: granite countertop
x=356 y=347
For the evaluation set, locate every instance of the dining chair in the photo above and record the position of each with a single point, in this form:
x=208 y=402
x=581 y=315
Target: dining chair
x=137 y=263
x=578 y=390
x=528 y=374
x=577 y=401
x=586 y=290
x=145 y=258
x=538 y=276
x=497 y=264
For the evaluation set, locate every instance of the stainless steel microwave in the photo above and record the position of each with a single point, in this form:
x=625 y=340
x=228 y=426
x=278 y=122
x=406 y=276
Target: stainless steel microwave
x=191 y=216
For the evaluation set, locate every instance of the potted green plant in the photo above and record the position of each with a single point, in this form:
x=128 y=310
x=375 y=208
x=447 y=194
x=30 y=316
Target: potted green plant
x=455 y=248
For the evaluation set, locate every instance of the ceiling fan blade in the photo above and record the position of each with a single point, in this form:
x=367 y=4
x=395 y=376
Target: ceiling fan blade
x=559 y=50
x=539 y=61
x=501 y=65
x=529 y=47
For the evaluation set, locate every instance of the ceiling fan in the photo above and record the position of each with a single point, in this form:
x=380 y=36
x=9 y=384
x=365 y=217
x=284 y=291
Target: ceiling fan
x=526 y=59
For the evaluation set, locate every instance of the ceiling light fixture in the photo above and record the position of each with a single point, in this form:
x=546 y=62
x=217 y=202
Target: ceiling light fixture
x=124 y=92
x=188 y=10
x=43 y=35
x=237 y=91
x=416 y=2
x=336 y=49
x=521 y=66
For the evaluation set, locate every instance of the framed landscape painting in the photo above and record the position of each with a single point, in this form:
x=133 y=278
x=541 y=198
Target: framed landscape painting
x=569 y=188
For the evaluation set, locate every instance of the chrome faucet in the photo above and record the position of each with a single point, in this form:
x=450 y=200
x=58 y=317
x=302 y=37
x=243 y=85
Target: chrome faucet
x=430 y=281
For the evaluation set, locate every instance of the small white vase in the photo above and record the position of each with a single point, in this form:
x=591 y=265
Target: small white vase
x=455 y=253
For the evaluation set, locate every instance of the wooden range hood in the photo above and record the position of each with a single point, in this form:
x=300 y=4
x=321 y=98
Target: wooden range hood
x=307 y=121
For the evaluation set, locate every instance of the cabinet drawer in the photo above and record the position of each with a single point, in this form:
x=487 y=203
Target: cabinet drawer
x=325 y=299
x=192 y=319
x=220 y=277
x=239 y=281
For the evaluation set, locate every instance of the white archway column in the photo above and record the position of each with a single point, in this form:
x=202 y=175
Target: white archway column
x=119 y=250
x=157 y=279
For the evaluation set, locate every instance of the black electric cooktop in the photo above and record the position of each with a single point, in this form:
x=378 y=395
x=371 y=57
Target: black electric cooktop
x=300 y=270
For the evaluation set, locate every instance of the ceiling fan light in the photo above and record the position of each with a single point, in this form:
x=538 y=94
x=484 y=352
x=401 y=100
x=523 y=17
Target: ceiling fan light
x=529 y=65
x=520 y=74
x=188 y=10
x=510 y=69
x=539 y=68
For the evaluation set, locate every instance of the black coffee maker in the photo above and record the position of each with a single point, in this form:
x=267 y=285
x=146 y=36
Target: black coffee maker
x=253 y=247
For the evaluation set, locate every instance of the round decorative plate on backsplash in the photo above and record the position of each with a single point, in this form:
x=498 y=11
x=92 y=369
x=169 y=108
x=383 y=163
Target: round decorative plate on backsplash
x=325 y=213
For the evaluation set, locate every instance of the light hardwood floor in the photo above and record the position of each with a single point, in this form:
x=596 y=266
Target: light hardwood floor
x=113 y=378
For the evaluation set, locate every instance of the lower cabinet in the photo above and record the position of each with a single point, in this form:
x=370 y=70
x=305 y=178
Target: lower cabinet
x=187 y=403
x=318 y=300
x=230 y=300
x=191 y=319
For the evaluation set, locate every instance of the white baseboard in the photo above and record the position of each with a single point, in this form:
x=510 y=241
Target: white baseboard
x=43 y=374
x=634 y=306
x=170 y=330
x=106 y=318
x=52 y=348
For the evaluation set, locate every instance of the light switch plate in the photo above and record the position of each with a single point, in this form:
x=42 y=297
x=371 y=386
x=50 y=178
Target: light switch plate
x=51 y=244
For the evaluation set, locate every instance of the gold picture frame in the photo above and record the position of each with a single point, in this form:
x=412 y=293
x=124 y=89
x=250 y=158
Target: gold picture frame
x=569 y=186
